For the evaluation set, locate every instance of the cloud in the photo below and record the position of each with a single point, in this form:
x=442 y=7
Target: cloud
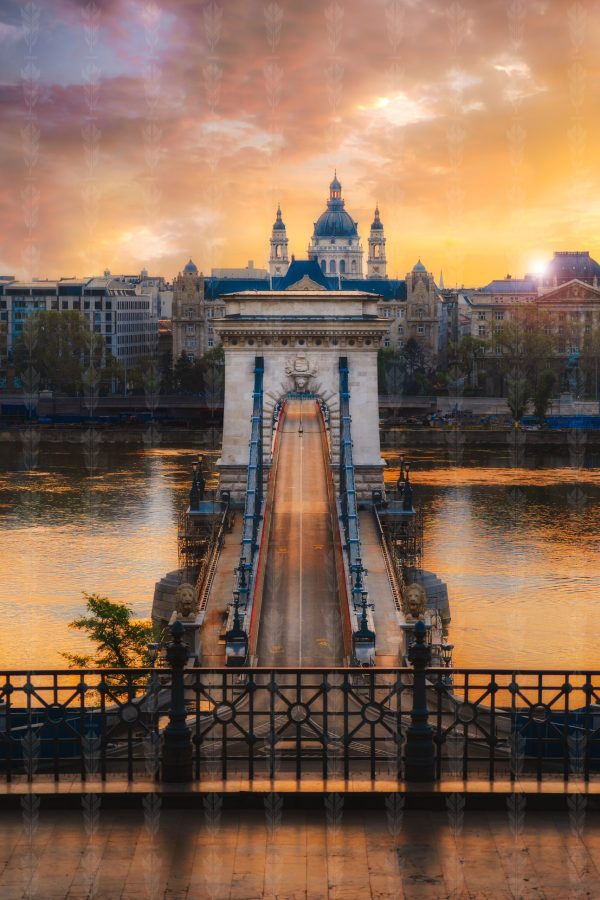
x=216 y=112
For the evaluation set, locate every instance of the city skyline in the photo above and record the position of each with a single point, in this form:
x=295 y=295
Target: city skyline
x=139 y=135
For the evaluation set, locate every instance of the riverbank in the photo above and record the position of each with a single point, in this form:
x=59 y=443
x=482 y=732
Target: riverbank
x=137 y=436
x=466 y=436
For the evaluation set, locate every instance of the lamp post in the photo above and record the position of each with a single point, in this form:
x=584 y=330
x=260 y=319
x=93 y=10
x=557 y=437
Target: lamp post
x=447 y=660
x=419 y=752
x=177 y=740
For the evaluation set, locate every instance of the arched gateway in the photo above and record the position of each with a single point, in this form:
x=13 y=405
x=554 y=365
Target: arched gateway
x=301 y=336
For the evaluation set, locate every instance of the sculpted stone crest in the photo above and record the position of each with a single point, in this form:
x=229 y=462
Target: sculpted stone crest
x=300 y=371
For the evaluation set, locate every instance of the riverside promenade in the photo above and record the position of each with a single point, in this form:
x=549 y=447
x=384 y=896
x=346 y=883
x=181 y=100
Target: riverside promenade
x=275 y=849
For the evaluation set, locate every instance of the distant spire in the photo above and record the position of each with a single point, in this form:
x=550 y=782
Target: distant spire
x=441 y=284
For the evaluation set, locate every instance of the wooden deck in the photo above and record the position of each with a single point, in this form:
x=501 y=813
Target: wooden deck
x=281 y=851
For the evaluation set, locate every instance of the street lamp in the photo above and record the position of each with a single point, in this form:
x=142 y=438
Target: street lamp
x=447 y=661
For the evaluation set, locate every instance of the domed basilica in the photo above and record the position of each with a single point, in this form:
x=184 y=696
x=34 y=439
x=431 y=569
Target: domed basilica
x=335 y=242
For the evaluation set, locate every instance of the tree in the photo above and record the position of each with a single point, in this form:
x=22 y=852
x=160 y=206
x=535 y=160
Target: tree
x=463 y=355
x=589 y=361
x=542 y=393
x=59 y=346
x=414 y=356
x=183 y=374
x=518 y=396
x=526 y=342
x=121 y=642
x=391 y=370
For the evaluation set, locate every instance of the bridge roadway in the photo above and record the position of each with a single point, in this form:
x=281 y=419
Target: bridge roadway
x=300 y=620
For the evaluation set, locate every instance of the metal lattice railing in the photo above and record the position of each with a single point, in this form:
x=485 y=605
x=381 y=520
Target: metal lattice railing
x=300 y=723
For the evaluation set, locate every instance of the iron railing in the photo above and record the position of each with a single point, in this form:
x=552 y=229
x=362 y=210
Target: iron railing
x=299 y=723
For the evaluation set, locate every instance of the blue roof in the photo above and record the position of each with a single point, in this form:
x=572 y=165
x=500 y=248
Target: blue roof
x=510 y=286
x=191 y=268
x=419 y=267
x=301 y=268
x=215 y=287
x=388 y=288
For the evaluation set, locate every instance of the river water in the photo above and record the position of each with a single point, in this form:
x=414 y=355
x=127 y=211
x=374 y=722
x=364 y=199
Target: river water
x=518 y=547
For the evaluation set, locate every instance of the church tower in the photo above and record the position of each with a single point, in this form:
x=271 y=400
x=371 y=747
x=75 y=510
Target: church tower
x=278 y=259
x=376 y=262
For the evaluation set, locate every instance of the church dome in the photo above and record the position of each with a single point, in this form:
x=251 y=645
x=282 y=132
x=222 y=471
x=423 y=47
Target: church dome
x=376 y=224
x=419 y=267
x=191 y=268
x=335 y=223
x=278 y=225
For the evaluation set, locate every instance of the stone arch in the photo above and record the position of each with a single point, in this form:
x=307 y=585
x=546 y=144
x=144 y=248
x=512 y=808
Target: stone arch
x=331 y=415
x=332 y=267
x=342 y=266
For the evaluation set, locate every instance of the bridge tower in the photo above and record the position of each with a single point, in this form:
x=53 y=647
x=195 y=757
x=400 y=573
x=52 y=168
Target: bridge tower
x=301 y=333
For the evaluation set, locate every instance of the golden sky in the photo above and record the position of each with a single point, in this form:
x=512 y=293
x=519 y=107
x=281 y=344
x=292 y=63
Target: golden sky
x=137 y=134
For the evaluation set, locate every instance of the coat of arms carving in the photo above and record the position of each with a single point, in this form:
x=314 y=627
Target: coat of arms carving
x=300 y=371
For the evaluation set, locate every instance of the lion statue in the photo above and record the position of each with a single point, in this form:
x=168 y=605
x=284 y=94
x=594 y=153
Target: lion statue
x=185 y=603
x=415 y=601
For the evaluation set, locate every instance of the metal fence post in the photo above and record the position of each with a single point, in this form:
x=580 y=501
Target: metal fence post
x=177 y=740
x=419 y=753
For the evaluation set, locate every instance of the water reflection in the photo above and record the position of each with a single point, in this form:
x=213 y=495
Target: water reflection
x=63 y=533
x=518 y=548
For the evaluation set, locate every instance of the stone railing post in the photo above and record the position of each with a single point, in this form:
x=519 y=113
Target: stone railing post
x=419 y=752
x=177 y=739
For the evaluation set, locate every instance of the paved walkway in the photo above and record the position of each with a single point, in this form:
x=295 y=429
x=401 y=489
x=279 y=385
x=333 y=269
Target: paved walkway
x=287 y=853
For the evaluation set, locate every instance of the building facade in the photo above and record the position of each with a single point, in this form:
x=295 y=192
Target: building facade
x=126 y=320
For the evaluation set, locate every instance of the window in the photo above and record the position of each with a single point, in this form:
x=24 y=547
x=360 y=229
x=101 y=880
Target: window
x=324 y=265
x=377 y=251
x=278 y=251
x=400 y=313
x=420 y=329
x=342 y=266
x=386 y=342
x=481 y=316
x=210 y=342
x=190 y=329
x=191 y=357
x=499 y=315
x=386 y=312
x=190 y=343
x=400 y=329
x=353 y=268
x=482 y=331
x=189 y=312
x=332 y=268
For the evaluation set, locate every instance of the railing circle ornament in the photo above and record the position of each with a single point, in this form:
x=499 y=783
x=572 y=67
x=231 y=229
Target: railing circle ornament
x=466 y=713
x=372 y=713
x=129 y=713
x=299 y=713
x=55 y=714
x=224 y=713
x=539 y=713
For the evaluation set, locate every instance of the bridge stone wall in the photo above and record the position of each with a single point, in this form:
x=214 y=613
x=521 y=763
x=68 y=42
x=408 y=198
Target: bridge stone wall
x=301 y=335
